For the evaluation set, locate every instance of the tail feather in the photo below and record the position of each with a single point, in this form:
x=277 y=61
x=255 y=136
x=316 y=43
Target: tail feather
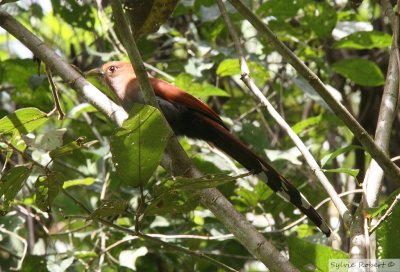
x=224 y=140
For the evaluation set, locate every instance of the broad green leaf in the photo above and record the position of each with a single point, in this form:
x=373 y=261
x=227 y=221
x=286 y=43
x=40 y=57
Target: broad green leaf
x=373 y=212
x=308 y=256
x=388 y=235
x=47 y=189
x=70 y=147
x=303 y=124
x=110 y=207
x=186 y=82
x=81 y=108
x=22 y=121
x=30 y=88
x=228 y=67
x=172 y=202
x=74 y=13
x=137 y=147
x=364 y=40
x=328 y=158
x=231 y=67
x=10 y=184
x=251 y=198
x=210 y=90
x=361 y=71
x=78 y=182
x=349 y=171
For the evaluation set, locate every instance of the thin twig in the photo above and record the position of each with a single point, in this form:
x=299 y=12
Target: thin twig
x=54 y=92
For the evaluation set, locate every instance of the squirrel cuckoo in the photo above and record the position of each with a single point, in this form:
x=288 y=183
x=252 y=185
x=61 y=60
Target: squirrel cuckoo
x=189 y=116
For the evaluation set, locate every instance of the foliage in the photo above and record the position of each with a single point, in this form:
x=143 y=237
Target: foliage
x=63 y=180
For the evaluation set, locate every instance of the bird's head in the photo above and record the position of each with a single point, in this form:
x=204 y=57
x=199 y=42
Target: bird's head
x=119 y=76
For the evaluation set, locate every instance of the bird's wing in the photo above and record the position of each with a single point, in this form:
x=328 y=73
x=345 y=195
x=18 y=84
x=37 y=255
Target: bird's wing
x=175 y=95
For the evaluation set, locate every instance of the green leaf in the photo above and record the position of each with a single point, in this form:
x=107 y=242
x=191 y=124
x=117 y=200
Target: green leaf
x=373 y=212
x=228 y=67
x=110 y=207
x=138 y=146
x=361 y=71
x=328 y=158
x=349 y=171
x=231 y=67
x=31 y=89
x=388 y=234
x=70 y=147
x=22 y=121
x=308 y=256
x=47 y=189
x=74 y=13
x=303 y=124
x=10 y=184
x=172 y=202
x=364 y=40
x=81 y=108
x=251 y=198
x=186 y=82
x=78 y=182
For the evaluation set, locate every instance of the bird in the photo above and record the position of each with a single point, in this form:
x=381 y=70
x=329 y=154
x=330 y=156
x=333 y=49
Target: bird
x=190 y=117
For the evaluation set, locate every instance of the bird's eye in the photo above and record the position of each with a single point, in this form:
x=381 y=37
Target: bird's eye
x=112 y=69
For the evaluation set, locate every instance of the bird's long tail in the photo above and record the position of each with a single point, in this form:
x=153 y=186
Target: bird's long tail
x=224 y=140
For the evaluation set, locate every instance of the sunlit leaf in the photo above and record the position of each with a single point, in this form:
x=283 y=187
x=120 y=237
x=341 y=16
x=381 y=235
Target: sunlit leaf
x=300 y=255
x=138 y=146
x=22 y=121
x=388 y=233
x=228 y=67
x=328 y=158
x=349 y=171
x=364 y=40
x=78 y=182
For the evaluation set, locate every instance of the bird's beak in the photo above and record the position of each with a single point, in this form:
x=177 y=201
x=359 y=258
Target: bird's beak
x=97 y=72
